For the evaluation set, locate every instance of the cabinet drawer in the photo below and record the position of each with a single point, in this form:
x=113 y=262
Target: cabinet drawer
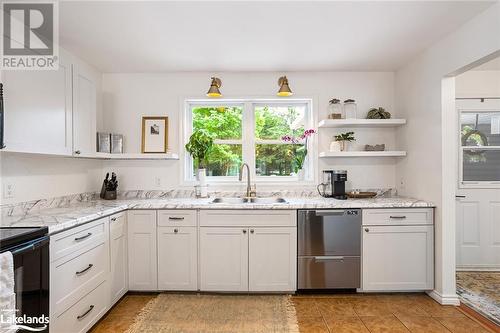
x=250 y=218
x=76 y=239
x=76 y=275
x=81 y=316
x=400 y=216
x=329 y=272
x=180 y=218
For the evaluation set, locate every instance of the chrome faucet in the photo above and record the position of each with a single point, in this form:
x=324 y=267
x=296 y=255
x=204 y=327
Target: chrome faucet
x=249 y=193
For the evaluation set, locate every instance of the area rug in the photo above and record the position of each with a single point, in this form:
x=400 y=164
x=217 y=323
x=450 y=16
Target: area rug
x=481 y=292
x=217 y=313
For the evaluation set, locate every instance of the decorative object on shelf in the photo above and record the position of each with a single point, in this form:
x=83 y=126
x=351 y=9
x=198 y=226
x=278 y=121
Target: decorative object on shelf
x=284 y=90
x=109 y=186
x=378 y=113
x=344 y=138
x=336 y=111
x=335 y=146
x=103 y=142
x=198 y=147
x=356 y=194
x=300 y=153
x=116 y=144
x=214 y=91
x=154 y=135
x=380 y=147
x=350 y=109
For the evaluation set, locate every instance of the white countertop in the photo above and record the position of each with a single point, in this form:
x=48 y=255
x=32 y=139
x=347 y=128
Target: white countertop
x=62 y=218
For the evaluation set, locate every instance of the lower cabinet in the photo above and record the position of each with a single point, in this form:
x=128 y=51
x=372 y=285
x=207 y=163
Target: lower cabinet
x=118 y=256
x=177 y=258
x=142 y=254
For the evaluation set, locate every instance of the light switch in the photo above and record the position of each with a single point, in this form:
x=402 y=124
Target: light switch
x=8 y=191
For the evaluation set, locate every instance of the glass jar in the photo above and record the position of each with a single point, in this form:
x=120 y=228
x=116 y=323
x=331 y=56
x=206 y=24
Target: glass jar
x=335 y=109
x=350 y=109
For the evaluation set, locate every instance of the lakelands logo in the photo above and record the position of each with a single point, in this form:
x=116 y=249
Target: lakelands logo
x=8 y=321
x=29 y=36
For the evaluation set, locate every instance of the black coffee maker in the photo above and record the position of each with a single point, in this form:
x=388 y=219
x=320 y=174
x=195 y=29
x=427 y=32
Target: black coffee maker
x=333 y=184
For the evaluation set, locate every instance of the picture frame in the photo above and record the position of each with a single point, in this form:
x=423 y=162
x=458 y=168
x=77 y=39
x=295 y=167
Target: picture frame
x=154 y=135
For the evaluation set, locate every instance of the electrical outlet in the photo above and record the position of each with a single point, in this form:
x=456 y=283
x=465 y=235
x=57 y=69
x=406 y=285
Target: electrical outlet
x=157 y=181
x=8 y=191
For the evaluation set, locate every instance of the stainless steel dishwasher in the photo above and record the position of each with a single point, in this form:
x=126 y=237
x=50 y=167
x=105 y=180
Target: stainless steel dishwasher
x=329 y=249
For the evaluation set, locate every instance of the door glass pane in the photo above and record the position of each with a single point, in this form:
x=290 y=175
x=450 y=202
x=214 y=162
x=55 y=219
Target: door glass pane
x=276 y=160
x=273 y=122
x=481 y=165
x=480 y=128
x=223 y=122
x=223 y=160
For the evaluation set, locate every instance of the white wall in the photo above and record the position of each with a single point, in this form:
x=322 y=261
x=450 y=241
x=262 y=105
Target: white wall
x=484 y=83
x=128 y=97
x=428 y=171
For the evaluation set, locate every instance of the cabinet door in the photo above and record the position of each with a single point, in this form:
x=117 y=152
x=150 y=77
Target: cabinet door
x=38 y=110
x=177 y=258
x=272 y=259
x=223 y=259
x=142 y=260
x=84 y=110
x=118 y=254
x=398 y=258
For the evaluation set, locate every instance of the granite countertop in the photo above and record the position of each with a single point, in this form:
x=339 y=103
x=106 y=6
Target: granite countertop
x=62 y=218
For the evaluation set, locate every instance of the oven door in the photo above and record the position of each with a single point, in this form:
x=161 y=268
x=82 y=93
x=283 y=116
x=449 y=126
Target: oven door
x=31 y=280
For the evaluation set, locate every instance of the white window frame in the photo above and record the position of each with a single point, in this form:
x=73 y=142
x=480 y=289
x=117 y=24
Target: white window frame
x=472 y=184
x=248 y=140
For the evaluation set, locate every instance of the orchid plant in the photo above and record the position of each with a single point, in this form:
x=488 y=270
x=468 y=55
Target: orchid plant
x=300 y=153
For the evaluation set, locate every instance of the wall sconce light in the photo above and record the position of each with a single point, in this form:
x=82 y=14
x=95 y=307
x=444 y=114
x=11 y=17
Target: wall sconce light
x=214 y=91
x=284 y=88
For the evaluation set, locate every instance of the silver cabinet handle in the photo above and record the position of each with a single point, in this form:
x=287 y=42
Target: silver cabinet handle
x=251 y=231
x=83 y=315
x=175 y=218
x=244 y=231
x=398 y=217
x=367 y=230
x=113 y=219
x=83 y=237
x=84 y=270
x=176 y=230
x=322 y=258
x=77 y=152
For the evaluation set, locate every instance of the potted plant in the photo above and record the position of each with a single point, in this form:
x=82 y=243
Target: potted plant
x=300 y=153
x=198 y=147
x=343 y=138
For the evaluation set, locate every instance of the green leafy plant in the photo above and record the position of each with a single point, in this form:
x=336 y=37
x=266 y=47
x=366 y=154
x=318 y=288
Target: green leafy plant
x=348 y=136
x=378 y=113
x=199 y=146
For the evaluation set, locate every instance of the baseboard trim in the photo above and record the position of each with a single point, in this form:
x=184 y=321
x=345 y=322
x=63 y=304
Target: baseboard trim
x=444 y=299
x=478 y=268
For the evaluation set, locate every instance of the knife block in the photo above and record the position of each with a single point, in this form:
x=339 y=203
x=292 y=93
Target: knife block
x=110 y=195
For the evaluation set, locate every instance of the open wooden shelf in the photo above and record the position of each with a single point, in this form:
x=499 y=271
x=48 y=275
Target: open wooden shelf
x=361 y=123
x=387 y=153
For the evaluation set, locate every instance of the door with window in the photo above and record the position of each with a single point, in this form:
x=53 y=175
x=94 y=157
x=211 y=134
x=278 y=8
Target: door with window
x=478 y=193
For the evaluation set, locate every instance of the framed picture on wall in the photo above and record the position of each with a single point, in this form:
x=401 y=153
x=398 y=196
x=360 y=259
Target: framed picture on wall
x=154 y=134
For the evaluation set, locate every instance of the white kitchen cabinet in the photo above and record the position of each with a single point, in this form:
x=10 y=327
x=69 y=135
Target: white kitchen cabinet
x=118 y=256
x=398 y=257
x=84 y=109
x=38 y=110
x=223 y=259
x=177 y=258
x=142 y=254
x=272 y=259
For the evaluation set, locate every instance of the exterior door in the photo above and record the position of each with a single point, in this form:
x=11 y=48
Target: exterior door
x=478 y=192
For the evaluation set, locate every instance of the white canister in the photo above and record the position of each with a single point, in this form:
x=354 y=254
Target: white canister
x=335 y=146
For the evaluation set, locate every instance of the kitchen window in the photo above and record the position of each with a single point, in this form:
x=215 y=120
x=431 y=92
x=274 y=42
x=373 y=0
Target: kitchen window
x=251 y=131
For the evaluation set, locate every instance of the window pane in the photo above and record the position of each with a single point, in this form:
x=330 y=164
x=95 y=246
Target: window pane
x=276 y=160
x=480 y=129
x=224 y=122
x=273 y=122
x=223 y=160
x=481 y=165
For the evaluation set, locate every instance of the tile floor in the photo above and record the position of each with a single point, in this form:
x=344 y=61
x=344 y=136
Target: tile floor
x=342 y=313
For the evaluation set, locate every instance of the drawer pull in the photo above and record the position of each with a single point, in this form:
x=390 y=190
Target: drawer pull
x=175 y=218
x=176 y=230
x=83 y=237
x=367 y=230
x=113 y=219
x=251 y=231
x=84 y=270
x=398 y=217
x=83 y=315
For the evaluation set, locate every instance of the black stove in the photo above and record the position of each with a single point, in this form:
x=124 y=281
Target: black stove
x=13 y=236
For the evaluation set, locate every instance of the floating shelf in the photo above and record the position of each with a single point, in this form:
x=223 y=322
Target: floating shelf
x=137 y=156
x=387 y=153
x=361 y=122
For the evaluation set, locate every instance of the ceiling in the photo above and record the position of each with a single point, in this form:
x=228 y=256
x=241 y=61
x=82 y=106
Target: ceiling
x=155 y=36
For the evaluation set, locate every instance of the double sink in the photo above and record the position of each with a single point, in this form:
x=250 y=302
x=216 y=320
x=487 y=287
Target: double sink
x=251 y=200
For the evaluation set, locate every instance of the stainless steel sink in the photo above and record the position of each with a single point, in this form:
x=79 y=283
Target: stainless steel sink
x=236 y=201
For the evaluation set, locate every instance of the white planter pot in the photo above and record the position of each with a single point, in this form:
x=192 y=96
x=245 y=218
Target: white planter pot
x=202 y=177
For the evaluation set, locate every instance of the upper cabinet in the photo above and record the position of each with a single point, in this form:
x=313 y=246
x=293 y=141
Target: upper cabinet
x=51 y=112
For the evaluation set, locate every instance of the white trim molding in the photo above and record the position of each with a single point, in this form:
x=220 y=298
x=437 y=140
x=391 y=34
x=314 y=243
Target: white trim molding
x=444 y=299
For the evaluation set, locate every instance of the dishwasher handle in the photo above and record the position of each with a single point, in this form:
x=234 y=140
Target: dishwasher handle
x=325 y=258
x=336 y=212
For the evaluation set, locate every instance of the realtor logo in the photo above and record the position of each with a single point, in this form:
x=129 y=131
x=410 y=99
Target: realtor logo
x=29 y=36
